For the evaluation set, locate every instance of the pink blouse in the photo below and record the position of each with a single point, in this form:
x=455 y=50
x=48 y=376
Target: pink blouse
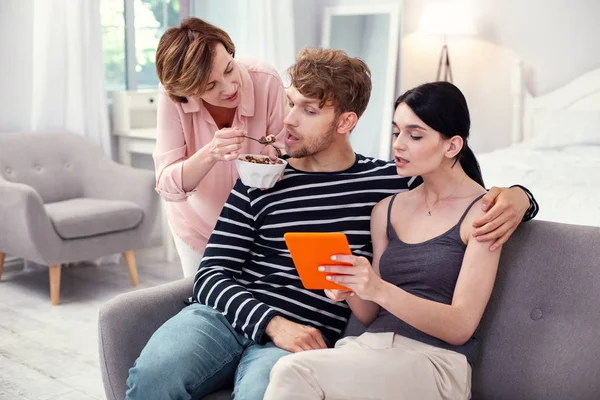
x=184 y=128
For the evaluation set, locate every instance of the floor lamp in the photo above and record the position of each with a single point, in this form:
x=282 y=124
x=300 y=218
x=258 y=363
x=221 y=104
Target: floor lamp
x=444 y=64
x=445 y=19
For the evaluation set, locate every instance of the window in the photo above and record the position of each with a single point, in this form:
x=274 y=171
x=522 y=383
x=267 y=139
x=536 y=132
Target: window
x=131 y=30
x=112 y=17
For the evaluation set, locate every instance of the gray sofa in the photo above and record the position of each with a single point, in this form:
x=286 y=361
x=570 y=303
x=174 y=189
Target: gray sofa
x=540 y=330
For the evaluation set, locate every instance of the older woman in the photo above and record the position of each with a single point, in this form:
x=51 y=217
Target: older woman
x=208 y=102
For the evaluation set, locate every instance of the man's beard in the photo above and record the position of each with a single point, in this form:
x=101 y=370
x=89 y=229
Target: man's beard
x=318 y=144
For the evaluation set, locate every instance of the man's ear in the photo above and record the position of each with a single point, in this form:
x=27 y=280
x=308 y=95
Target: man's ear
x=346 y=122
x=455 y=145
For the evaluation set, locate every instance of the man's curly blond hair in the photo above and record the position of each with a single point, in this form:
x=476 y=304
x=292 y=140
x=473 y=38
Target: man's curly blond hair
x=333 y=77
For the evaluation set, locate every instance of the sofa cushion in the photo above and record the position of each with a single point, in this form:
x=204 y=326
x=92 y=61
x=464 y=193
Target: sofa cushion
x=82 y=217
x=55 y=165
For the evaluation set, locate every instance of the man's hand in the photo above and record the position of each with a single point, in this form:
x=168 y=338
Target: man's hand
x=505 y=210
x=294 y=337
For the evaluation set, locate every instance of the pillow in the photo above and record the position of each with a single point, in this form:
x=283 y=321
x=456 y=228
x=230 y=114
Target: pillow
x=558 y=129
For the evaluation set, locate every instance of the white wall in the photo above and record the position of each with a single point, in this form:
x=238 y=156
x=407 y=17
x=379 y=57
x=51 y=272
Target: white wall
x=16 y=43
x=308 y=18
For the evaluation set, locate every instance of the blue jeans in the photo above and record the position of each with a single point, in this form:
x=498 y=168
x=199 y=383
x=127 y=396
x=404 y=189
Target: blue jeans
x=198 y=352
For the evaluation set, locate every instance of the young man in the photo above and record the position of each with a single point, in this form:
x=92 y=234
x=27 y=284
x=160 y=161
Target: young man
x=250 y=308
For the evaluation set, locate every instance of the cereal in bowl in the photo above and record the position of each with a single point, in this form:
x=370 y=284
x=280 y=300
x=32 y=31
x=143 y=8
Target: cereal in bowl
x=259 y=160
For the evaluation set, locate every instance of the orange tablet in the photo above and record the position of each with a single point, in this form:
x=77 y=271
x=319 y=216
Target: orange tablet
x=309 y=250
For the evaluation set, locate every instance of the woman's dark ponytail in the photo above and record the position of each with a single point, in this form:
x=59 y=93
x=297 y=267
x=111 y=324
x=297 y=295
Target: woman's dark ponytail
x=470 y=165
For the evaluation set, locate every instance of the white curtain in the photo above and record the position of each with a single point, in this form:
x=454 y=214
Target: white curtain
x=68 y=70
x=68 y=92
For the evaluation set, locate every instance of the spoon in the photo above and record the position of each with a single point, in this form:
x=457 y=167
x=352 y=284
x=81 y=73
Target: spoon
x=262 y=140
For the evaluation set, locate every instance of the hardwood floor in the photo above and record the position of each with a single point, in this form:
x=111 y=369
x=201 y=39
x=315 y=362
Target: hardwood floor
x=51 y=352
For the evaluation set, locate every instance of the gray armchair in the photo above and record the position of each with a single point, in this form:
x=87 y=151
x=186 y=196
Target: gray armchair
x=539 y=332
x=62 y=200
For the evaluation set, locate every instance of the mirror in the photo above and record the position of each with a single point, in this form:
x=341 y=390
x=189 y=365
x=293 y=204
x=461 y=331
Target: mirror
x=372 y=34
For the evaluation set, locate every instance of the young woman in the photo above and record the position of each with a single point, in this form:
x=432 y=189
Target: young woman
x=423 y=296
x=208 y=101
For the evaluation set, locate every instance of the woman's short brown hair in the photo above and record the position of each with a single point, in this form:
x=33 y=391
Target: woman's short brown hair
x=185 y=55
x=330 y=75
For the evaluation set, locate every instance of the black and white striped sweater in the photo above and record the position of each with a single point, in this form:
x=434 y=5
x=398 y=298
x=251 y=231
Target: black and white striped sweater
x=247 y=272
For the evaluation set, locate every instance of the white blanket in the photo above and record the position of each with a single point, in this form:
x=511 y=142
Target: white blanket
x=565 y=182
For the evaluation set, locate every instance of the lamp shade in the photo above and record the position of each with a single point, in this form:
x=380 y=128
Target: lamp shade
x=446 y=18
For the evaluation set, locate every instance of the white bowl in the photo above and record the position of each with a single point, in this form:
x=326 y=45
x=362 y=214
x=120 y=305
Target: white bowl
x=257 y=175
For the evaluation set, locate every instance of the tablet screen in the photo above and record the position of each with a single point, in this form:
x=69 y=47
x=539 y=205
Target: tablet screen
x=309 y=250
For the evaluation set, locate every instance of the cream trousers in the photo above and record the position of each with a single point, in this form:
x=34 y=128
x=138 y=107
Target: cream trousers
x=372 y=366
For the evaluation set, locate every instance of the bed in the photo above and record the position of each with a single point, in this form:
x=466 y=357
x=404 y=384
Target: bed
x=555 y=150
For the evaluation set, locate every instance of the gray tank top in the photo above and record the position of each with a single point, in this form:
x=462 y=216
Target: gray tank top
x=429 y=270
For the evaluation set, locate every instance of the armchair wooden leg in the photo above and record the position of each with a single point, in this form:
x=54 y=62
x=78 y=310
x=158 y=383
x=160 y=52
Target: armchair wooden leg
x=55 y=283
x=1 y=264
x=131 y=266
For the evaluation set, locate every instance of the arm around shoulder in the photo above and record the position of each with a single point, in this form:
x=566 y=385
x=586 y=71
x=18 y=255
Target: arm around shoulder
x=533 y=204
